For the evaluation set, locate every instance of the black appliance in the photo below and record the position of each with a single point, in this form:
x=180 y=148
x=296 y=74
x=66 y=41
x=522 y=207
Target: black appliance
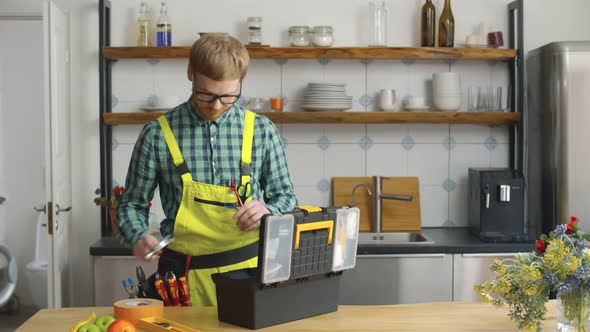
x=496 y=205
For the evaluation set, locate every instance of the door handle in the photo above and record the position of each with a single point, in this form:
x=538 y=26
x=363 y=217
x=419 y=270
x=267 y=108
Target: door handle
x=58 y=209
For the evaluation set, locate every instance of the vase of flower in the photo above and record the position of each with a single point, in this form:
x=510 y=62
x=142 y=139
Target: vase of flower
x=573 y=310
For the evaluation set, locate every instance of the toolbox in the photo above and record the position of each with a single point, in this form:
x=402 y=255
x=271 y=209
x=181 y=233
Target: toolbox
x=301 y=256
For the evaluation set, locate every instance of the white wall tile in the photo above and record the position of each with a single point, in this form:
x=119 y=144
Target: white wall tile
x=133 y=80
x=345 y=160
x=127 y=134
x=458 y=201
x=499 y=157
x=121 y=158
x=299 y=133
x=472 y=73
x=387 y=133
x=420 y=73
x=311 y=195
x=129 y=106
x=429 y=162
x=387 y=160
x=351 y=72
x=306 y=164
x=428 y=133
x=501 y=133
x=470 y=133
x=344 y=133
x=387 y=74
x=434 y=206
x=263 y=79
x=465 y=156
x=170 y=79
x=296 y=75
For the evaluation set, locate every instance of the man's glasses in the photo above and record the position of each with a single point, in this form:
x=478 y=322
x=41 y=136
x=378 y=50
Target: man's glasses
x=224 y=99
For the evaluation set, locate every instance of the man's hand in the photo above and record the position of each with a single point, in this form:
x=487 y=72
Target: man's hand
x=248 y=216
x=143 y=246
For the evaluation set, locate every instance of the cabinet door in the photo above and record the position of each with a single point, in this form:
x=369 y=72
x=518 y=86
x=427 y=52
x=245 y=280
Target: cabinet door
x=469 y=269
x=109 y=273
x=398 y=279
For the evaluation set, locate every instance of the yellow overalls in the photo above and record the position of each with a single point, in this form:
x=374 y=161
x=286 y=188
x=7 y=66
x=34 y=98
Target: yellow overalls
x=204 y=227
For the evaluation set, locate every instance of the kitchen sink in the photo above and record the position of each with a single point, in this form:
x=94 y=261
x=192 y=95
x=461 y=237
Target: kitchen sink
x=394 y=238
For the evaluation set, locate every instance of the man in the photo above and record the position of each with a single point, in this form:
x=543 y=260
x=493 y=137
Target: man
x=212 y=161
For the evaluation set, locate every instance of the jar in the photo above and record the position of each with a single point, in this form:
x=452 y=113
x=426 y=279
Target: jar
x=254 y=30
x=323 y=36
x=299 y=36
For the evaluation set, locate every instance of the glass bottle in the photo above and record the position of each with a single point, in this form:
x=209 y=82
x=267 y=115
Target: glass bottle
x=378 y=23
x=446 y=27
x=144 y=26
x=163 y=27
x=254 y=30
x=428 y=25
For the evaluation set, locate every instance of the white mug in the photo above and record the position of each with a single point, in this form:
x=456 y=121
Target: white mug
x=387 y=100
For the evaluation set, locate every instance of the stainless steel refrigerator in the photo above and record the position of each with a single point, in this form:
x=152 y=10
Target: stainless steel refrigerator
x=556 y=122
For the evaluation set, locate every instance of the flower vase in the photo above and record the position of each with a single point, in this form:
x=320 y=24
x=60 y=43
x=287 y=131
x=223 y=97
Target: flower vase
x=113 y=219
x=573 y=311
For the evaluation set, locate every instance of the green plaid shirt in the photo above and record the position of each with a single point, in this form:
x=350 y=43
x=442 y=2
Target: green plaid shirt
x=212 y=151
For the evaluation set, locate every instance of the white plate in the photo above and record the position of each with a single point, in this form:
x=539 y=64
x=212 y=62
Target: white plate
x=326 y=108
x=155 y=109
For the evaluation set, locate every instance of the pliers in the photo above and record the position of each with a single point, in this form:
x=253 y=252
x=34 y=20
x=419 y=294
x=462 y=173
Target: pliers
x=141 y=281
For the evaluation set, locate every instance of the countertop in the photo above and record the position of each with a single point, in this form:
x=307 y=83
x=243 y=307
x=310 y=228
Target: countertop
x=446 y=240
x=441 y=317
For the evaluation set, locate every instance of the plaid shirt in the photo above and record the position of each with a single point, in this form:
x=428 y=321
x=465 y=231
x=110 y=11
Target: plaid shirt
x=212 y=151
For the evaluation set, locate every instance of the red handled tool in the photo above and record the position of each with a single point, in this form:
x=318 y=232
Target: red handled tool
x=173 y=287
x=186 y=295
x=232 y=186
x=161 y=288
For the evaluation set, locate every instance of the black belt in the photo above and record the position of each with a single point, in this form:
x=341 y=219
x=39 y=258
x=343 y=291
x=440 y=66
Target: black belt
x=218 y=259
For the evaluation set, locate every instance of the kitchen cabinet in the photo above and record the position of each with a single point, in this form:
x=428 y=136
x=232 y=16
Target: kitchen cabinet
x=108 y=275
x=398 y=279
x=469 y=269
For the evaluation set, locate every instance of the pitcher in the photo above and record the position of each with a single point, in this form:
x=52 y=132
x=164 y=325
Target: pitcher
x=387 y=100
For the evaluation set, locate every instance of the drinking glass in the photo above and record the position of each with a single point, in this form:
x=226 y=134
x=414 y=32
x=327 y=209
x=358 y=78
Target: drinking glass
x=473 y=99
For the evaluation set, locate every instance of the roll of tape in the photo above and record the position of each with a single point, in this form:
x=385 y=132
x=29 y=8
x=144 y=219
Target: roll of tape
x=135 y=309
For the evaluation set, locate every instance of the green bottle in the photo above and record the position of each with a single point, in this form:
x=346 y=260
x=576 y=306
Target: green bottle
x=446 y=27
x=428 y=25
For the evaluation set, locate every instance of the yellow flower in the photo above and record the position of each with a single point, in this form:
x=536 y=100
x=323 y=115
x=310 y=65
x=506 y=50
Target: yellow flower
x=559 y=258
x=529 y=327
x=502 y=286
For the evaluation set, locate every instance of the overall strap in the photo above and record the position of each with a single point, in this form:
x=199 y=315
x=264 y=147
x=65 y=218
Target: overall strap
x=181 y=167
x=245 y=163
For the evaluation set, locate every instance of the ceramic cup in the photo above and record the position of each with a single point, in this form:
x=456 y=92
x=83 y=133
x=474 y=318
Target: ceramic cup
x=415 y=102
x=387 y=100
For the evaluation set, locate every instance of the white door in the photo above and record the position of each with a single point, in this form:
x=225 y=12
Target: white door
x=57 y=152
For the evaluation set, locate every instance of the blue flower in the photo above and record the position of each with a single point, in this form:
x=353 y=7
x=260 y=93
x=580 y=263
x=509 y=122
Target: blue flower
x=581 y=244
x=560 y=230
x=573 y=281
x=588 y=287
x=550 y=279
x=577 y=253
x=583 y=272
x=563 y=288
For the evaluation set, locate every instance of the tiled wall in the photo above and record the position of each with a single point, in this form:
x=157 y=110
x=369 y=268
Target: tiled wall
x=438 y=154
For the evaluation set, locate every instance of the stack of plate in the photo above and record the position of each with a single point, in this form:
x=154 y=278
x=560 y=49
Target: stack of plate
x=326 y=97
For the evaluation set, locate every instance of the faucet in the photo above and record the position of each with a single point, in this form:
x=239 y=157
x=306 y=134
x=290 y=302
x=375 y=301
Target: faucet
x=354 y=189
x=377 y=197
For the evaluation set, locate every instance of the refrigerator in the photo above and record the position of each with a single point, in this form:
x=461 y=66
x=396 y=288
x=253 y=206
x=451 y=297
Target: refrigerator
x=556 y=128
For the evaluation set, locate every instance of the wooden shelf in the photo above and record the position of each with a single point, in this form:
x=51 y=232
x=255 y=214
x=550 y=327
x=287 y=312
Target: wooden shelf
x=504 y=118
x=425 y=53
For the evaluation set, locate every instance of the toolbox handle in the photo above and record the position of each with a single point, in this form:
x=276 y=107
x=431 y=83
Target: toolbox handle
x=313 y=226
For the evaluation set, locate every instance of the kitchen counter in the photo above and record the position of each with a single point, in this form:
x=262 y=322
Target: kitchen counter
x=442 y=316
x=446 y=240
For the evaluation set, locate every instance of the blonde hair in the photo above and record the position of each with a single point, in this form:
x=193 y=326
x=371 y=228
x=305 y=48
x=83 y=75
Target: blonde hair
x=219 y=57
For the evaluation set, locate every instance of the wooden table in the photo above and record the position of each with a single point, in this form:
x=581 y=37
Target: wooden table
x=440 y=317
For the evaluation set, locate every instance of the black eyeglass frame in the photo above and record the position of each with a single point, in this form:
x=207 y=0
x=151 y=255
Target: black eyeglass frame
x=214 y=96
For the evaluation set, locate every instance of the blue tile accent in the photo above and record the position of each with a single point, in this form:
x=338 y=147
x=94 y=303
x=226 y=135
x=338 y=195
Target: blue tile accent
x=153 y=62
x=449 y=143
x=449 y=185
x=285 y=101
x=152 y=100
x=114 y=101
x=408 y=143
x=285 y=141
x=115 y=144
x=366 y=61
x=324 y=143
x=491 y=143
x=324 y=185
x=408 y=62
x=449 y=223
x=324 y=61
x=365 y=143
x=280 y=61
x=366 y=100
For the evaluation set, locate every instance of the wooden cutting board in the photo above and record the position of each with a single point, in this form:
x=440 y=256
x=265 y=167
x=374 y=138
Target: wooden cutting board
x=397 y=216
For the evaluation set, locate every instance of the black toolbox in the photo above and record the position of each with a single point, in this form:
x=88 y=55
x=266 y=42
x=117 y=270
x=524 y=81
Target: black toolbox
x=301 y=257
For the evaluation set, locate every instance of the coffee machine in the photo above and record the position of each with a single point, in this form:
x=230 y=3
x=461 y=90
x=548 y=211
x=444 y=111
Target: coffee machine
x=496 y=205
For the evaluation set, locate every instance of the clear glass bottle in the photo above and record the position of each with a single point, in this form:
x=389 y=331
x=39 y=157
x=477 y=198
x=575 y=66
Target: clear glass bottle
x=164 y=28
x=446 y=27
x=254 y=30
x=428 y=25
x=323 y=36
x=299 y=36
x=378 y=23
x=144 y=26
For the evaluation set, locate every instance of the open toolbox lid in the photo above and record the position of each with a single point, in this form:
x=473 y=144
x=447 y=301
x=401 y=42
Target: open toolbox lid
x=306 y=242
